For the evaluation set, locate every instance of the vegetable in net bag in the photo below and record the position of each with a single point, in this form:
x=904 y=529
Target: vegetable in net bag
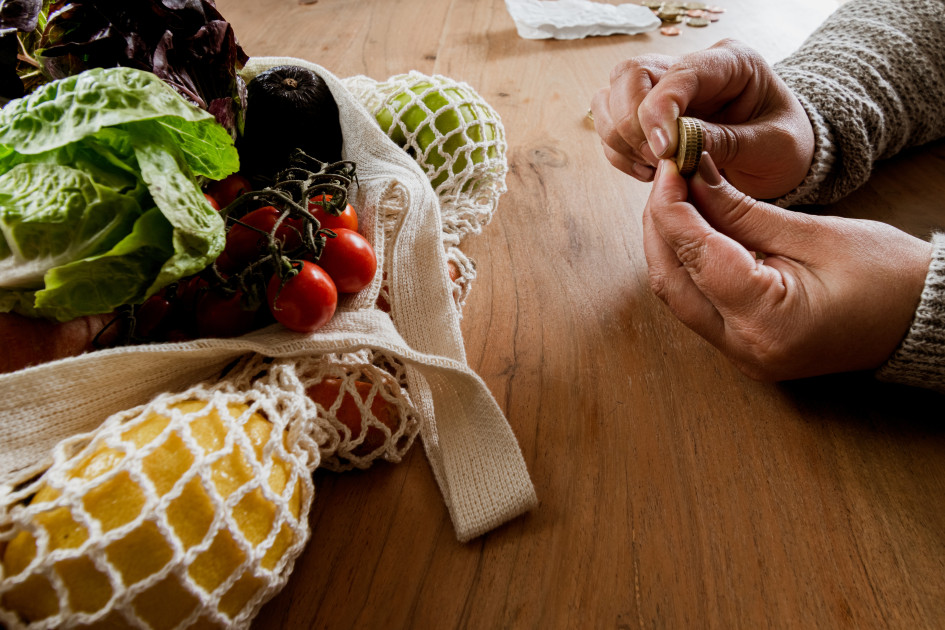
x=190 y=509
x=250 y=435
x=458 y=140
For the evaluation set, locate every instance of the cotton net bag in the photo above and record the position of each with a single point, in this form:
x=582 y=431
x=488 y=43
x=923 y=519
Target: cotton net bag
x=169 y=485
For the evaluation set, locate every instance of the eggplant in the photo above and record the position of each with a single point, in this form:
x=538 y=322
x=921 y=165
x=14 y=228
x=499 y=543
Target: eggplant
x=287 y=108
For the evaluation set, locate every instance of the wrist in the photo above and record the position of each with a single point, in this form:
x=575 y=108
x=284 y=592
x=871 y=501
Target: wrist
x=919 y=358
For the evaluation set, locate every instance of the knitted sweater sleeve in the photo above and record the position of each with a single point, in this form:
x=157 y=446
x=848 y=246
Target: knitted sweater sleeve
x=872 y=80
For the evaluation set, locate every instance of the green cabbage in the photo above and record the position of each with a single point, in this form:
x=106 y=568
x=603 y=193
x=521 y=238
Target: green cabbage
x=99 y=201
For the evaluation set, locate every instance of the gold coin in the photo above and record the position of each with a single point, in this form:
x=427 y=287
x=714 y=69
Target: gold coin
x=690 y=145
x=652 y=4
x=695 y=6
x=698 y=22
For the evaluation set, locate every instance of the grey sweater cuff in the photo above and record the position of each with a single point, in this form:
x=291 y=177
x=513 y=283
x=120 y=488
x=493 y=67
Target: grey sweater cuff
x=920 y=358
x=822 y=164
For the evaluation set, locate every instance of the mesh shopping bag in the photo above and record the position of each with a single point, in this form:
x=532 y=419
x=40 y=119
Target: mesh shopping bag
x=239 y=447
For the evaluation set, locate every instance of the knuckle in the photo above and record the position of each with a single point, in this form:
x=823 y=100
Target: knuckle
x=692 y=253
x=659 y=284
x=723 y=144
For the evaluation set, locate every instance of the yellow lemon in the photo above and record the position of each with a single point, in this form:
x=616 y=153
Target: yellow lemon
x=147 y=548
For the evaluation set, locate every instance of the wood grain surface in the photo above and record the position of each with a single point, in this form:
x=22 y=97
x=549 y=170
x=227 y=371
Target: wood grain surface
x=675 y=493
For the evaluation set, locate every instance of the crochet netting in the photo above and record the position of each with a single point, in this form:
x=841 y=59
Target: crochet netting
x=206 y=488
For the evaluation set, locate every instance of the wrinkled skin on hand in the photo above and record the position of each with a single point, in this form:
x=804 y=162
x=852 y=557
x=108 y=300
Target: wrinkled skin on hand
x=756 y=130
x=831 y=295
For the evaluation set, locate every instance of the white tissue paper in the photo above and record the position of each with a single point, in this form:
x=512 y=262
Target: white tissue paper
x=574 y=19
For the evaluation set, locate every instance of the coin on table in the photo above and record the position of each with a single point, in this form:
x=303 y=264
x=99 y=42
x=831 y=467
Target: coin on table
x=670 y=15
x=696 y=13
x=715 y=9
x=694 y=5
x=712 y=17
x=652 y=4
x=669 y=30
x=697 y=22
x=690 y=145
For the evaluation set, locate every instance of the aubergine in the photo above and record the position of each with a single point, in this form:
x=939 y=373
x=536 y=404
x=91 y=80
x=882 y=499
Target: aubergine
x=287 y=108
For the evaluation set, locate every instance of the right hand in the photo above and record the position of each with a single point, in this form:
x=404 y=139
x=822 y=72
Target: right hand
x=832 y=295
x=757 y=132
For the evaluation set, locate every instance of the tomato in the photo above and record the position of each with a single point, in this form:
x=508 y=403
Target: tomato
x=224 y=191
x=213 y=202
x=350 y=261
x=151 y=314
x=348 y=219
x=221 y=315
x=244 y=245
x=306 y=301
x=325 y=393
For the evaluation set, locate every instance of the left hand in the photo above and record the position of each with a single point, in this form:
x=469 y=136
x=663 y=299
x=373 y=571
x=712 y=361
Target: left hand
x=832 y=295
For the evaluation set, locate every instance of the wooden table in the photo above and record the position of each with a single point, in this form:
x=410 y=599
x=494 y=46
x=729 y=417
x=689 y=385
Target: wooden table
x=675 y=493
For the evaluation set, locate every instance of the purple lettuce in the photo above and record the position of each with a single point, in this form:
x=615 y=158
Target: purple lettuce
x=187 y=43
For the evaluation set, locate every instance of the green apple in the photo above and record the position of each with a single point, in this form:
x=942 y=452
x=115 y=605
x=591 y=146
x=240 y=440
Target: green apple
x=453 y=122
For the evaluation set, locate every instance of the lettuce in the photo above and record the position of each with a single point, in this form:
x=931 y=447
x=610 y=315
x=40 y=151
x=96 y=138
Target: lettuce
x=99 y=201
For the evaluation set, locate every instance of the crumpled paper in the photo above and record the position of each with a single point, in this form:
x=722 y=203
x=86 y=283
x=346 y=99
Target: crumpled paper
x=575 y=19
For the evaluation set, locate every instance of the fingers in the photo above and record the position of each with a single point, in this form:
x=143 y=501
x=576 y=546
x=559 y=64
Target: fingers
x=700 y=84
x=722 y=270
x=615 y=108
x=671 y=282
x=758 y=226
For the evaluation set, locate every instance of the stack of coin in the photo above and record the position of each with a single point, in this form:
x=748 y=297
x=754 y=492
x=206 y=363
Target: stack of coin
x=690 y=145
x=670 y=14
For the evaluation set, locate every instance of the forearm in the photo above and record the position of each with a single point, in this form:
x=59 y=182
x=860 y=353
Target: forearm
x=872 y=80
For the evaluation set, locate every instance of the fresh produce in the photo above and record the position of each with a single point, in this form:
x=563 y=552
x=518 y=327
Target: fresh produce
x=288 y=108
x=443 y=119
x=270 y=267
x=321 y=208
x=305 y=301
x=99 y=203
x=225 y=191
x=159 y=478
x=364 y=435
x=186 y=44
x=349 y=259
x=248 y=237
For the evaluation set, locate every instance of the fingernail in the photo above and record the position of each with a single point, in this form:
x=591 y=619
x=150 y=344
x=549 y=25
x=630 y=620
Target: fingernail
x=708 y=172
x=659 y=141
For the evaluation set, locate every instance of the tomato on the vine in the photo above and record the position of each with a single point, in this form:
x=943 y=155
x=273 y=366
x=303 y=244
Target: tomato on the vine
x=350 y=260
x=348 y=219
x=221 y=315
x=306 y=301
x=244 y=244
x=224 y=191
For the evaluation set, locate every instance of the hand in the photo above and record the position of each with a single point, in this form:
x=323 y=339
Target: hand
x=756 y=130
x=832 y=295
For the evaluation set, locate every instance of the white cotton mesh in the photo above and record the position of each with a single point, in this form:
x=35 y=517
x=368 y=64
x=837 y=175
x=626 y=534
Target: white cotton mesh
x=211 y=506
x=458 y=140
x=191 y=510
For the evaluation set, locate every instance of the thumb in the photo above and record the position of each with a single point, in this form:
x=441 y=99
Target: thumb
x=757 y=225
